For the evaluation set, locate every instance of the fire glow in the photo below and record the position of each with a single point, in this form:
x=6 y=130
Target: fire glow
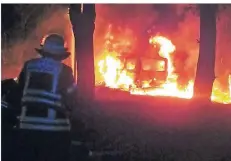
x=115 y=76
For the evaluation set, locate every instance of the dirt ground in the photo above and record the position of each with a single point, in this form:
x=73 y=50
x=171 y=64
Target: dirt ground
x=163 y=129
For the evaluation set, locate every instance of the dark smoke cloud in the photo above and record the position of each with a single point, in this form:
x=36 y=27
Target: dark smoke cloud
x=180 y=26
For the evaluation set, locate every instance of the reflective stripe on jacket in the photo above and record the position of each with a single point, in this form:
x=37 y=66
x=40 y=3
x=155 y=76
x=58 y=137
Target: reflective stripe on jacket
x=45 y=82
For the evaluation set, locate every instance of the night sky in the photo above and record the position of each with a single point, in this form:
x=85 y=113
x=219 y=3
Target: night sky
x=9 y=17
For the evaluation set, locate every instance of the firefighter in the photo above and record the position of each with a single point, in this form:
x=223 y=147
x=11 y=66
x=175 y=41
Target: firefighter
x=48 y=96
x=9 y=108
x=9 y=122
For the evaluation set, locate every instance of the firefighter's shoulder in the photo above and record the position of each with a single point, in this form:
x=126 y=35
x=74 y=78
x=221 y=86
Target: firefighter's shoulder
x=69 y=78
x=67 y=69
x=26 y=63
x=32 y=60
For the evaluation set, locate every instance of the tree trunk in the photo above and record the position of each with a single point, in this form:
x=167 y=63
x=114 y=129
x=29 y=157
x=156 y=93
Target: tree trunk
x=205 y=74
x=83 y=21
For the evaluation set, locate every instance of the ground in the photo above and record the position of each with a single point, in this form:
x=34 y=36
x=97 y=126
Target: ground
x=163 y=129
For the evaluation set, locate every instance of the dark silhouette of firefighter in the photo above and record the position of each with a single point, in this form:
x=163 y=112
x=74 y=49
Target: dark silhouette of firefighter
x=10 y=108
x=48 y=96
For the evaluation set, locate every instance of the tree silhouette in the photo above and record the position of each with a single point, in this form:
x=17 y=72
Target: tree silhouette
x=83 y=20
x=205 y=74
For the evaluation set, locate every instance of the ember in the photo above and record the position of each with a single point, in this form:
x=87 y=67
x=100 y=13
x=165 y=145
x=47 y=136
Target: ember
x=115 y=73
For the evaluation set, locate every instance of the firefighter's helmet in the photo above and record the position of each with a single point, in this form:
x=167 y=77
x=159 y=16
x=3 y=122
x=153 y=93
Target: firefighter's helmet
x=53 y=45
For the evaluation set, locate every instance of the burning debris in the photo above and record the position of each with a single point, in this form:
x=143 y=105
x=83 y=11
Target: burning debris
x=132 y=74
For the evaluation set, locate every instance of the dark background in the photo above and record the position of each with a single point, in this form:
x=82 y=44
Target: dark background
x=10 y=17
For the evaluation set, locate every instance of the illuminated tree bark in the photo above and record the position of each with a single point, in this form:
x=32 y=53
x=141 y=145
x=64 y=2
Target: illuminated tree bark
x=83 y=21
x=205 y=74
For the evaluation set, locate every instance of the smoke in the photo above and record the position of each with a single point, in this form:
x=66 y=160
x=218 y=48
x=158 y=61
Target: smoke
x=126 y=18
x=181 y=26
x=185 y=39
x=223 y=41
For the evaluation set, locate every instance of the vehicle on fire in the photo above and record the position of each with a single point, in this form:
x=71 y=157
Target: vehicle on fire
x=146 y=70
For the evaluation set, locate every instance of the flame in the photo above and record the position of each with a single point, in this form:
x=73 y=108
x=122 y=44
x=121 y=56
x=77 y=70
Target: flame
x=221 y=96
x=230 y=86
x=113 y=78
x=166 y=48
x=114 y=75
x=170 y=87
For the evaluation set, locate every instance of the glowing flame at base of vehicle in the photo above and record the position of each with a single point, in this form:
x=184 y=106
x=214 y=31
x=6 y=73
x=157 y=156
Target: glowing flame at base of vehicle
x=110 y=68
x=168 y=89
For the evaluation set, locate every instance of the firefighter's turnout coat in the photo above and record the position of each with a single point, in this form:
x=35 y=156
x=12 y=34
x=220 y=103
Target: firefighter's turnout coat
x=48 y=87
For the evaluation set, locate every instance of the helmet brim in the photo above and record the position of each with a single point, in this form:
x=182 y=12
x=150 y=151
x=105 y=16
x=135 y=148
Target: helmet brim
x=47 y=54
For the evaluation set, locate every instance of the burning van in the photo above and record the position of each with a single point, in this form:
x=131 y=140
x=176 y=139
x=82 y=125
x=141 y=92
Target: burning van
x=145 y=70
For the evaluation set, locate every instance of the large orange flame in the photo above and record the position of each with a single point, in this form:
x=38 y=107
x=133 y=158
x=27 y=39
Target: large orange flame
x=114 y=75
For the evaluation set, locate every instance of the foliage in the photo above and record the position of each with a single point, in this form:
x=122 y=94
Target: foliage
x=195 y=9
x=30 y=16
x=192 y=8
x=16 y=38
